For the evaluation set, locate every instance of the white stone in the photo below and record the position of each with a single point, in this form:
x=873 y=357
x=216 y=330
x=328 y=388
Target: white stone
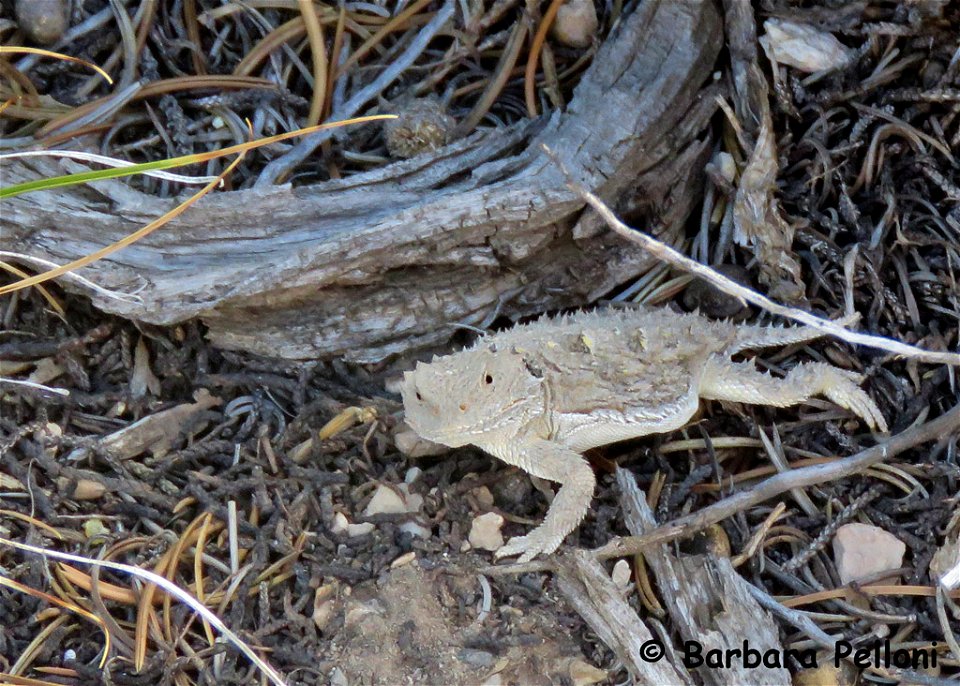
x=393 y=500
x=863 y=550
x=621 y=575
x=325 y=604
x=340 y=523
x=404 y=559
x=361 y=529
x=385 y=500
x=485 y=532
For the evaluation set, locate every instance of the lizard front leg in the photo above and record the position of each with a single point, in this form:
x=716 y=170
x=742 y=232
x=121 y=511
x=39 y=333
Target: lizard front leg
x=554 y=462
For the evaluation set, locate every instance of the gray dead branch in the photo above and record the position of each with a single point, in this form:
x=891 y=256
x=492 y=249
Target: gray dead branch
x=590 y=591
x=386 y=261
x=709 y=602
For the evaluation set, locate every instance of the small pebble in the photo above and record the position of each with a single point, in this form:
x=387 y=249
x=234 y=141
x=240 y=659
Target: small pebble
x=83 y=489
x=803 y=46
x=360 y=529
x=411 y=445
x=44 y=21
x=404 y=559
x=485 y=532
x=825 y=674
x=340 y=523
x=415 y=529
x=945 y=564
x=575 y=24
x=325 y=604
x=483 y=497
x=863 y=550
x=393 y=500
x=621 y=574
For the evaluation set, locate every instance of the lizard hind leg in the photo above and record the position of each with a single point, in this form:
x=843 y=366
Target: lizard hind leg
x=555 y=462
x=751 y=337
x=741 y=382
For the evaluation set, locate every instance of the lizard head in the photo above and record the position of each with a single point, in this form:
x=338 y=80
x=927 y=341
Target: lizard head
x=458 y=399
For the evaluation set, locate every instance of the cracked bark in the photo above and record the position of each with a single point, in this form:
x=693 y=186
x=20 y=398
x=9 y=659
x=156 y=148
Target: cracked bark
x=386 y=261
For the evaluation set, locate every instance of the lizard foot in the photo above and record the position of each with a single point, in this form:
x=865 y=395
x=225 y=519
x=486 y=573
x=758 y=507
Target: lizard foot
x=842 y=387
x=528 y=547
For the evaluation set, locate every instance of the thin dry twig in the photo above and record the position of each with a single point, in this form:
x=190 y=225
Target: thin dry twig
x=664 y=252
x=777 y=485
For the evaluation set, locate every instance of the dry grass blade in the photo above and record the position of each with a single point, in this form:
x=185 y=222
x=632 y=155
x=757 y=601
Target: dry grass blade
x=17 y=586
x=14 y=49
x=107 y=161
x=14 y=680
x=47 y=295
x=84 y=582
x=168 y=587
x=318 y=54
x=85 y=283
x=503 y=71
x=535 y=49
x=869 y=589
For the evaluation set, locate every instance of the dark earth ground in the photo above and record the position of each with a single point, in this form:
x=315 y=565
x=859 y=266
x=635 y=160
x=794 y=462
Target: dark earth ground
x=331 y=608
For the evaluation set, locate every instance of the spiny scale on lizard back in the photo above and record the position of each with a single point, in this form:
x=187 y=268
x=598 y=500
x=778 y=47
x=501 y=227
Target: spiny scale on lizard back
x=616 y=359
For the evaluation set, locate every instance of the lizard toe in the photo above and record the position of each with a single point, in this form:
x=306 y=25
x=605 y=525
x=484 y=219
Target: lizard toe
x=518 y=545
x=850 y=396
x=527 y=547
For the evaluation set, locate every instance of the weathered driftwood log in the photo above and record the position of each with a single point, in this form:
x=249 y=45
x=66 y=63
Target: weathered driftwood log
x=385 y=261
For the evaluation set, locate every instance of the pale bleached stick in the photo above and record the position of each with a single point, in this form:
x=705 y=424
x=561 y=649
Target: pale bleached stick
x=664 y=252
x=72 y=276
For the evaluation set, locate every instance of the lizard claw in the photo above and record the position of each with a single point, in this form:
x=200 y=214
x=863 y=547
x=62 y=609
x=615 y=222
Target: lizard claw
x=844 y=390
x=527 y=547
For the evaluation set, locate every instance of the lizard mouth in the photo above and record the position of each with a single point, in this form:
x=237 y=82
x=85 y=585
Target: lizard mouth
x=466 y=434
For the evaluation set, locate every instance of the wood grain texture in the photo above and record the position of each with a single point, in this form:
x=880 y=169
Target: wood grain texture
x=385 y=261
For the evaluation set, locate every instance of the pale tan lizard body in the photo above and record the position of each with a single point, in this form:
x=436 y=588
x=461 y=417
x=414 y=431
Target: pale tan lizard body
x=538 y=395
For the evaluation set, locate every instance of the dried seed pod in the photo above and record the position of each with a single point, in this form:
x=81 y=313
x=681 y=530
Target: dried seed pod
x=83 y=489
x=576 y=23
x=422 y=126
x=44 y=21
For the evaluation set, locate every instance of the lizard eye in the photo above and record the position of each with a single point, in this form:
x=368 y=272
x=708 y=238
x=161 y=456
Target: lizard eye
x=419 y=397
x=488 y=379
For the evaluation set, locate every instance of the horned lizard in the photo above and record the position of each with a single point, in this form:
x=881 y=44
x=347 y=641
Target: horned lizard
x=540 y=394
